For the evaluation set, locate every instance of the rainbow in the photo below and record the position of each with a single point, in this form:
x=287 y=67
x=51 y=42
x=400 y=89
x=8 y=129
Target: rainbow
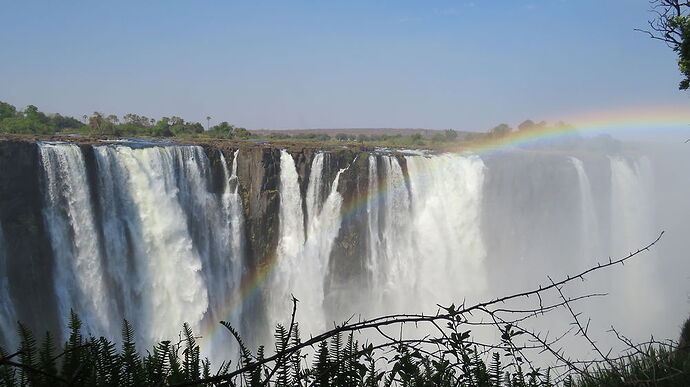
x=647 y=120
x=622 y=122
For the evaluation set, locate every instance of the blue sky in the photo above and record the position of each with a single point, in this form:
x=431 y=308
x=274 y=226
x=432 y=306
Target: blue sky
x=286 y=64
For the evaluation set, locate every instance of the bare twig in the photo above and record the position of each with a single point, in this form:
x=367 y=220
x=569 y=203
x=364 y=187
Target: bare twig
x=449 y=315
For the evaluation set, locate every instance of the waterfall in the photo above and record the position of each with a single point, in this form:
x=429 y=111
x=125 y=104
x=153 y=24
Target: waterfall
x=630 y=199
x=398 y=276
x=425 y=243
x=373 y=209
x=225 y=281
x=323 y=228
x=631 y=217
x=232 y=208
x=80 y=282
x=159 y=264
x=123 y=231
x=232 y=234
x=231 y=196
x=313 y=196
x=446 y=195
x=589 y=223
x=288 y=255
x=158 y=235
x=165 y=249
x=302 y=261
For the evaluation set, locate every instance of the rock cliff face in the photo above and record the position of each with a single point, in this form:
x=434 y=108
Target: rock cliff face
x=26 y=241
x=28 y=248
x=259 y=176
x=21 y=198
x=163 y=234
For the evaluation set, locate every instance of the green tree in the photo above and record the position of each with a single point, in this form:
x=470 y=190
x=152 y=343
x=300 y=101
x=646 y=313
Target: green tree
x=97 y=122
x=7 y=110
x=22 y=125
x=60 y=122
x=223 y=130
x=526 y=125
x=197 y=127
x=163 y=128
x=32 y=113
x=529 y=125
x=141 y=121
x=416 y=138
x=242 y=133
x=671 y=24
x=501 y=130
x=342 y=137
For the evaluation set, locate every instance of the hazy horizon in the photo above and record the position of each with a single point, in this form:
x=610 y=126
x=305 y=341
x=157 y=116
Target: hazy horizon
x=446 y=64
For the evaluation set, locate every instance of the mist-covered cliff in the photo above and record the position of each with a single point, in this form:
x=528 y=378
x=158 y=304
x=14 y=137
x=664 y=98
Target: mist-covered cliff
x=162 y=234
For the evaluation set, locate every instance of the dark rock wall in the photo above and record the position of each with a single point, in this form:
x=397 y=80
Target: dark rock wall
x=29 y=255
x=258 y=169
x=349 y=252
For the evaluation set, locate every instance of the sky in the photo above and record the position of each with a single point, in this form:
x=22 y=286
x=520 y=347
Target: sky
x=466 y=65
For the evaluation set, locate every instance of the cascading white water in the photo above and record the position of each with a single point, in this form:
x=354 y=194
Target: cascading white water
x=446 y=205
x=373 y=207
x=233 y=209
x=630 y=200
x=290 y=243
x=122 y=231
x=302 y=261
x=322 y=229
x=172 y=249
x=80 y=283
x=210 y=229
x=213 y=223
x=313 y=197
x=428 y=245
x=169 y=287
x=224 y=281
x=398 y=277
x=232 y=212
x=631 y=218
x=589 y=223
x=156 y=240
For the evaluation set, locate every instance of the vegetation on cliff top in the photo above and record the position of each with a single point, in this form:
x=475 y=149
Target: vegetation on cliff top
x=32 y=121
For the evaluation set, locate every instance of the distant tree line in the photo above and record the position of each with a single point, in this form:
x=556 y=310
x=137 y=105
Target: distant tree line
x=32 y=121
x=527 y=125
x=350 y=137
x=381 y=139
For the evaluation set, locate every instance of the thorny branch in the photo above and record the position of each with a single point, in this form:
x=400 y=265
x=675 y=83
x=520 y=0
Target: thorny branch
x=663 y=25
x=455 y=316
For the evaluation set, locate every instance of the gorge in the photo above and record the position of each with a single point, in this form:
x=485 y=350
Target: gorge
x=161 y=234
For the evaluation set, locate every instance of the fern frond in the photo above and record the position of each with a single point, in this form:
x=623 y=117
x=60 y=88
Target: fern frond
x=27 y=355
